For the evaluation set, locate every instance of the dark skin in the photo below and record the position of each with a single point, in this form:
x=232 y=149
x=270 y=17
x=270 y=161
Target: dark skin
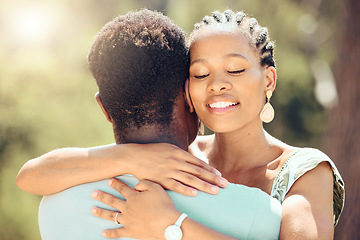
x=256 y=161
x=229 y=102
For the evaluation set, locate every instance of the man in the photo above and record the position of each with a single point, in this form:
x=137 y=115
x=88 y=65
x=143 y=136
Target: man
x=140 y=64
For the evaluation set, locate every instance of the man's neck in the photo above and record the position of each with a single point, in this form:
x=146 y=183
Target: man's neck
x=150 y=134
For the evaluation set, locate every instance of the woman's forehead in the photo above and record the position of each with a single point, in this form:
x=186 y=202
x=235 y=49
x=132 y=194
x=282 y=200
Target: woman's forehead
x=215 y=40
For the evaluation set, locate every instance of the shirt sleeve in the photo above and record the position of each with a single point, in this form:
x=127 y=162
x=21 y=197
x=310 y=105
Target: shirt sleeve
x=301 y=162
x=267 y=221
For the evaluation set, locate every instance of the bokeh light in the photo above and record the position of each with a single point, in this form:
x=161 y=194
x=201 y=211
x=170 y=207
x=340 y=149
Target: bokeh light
x=31 y=24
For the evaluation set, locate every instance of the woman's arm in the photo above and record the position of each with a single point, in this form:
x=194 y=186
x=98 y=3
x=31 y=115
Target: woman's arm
x=63 y=168
x=143 y=222
x=166 y=164
x=308 y=207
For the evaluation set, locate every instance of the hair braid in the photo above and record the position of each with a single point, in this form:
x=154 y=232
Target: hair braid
x=207 y=20
x=228 y=15
x=258 y=36
x=262 y=37
x=217 y=16
x=252 y=24
x=239 y=17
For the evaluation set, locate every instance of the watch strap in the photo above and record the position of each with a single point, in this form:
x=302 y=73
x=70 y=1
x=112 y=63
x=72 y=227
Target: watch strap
x=180 y=219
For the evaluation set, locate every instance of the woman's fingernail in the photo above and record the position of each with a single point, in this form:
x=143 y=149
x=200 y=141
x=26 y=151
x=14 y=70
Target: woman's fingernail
x=104 y=233
x=110 y=181
x=223 y=182
x=217 y=172
x=214 y=189
x=94 y=194
x=194 y=192
x=93 y=210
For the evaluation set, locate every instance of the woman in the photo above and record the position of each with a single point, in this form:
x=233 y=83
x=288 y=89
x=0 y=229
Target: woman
x=232 y=77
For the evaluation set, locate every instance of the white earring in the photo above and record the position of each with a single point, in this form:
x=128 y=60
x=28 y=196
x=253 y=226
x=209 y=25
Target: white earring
x=202 y=128
x=267 y=114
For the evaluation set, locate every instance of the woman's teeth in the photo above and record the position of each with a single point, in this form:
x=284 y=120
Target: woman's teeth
x=221 y=104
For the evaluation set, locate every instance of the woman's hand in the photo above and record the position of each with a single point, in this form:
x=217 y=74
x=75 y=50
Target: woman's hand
x=145 y=214
x=169 y=166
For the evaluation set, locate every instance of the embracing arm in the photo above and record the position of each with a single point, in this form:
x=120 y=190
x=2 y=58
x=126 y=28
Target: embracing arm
x=308 y=207
x=307 y=210
x=146 y=213
x=166 y=164
x=63 y=168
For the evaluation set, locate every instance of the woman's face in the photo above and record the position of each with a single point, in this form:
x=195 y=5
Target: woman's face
x=227 y=84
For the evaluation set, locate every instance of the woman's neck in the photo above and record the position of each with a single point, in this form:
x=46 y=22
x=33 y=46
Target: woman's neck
x=241 y=151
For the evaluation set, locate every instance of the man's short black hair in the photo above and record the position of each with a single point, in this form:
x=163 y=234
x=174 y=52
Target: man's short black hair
x=140 y=63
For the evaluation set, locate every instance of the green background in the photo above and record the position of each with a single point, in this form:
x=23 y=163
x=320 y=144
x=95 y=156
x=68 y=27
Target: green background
x=46 y=90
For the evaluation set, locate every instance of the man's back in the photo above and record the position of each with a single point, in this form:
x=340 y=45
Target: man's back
x=238 y=211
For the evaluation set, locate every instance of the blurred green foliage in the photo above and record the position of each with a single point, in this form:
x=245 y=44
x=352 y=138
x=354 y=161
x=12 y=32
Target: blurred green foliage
x=46 y=91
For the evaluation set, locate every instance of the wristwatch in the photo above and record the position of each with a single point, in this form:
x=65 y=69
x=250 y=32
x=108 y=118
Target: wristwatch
x=173 y=232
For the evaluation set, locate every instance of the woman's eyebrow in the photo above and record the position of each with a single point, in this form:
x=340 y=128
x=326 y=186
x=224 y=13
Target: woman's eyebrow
x=200 y=60
x=230 y=55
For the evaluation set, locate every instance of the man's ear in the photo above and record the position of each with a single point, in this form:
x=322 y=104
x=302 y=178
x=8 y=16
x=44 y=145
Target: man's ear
x=270 y=81
x=99 y=101
x=187 y=96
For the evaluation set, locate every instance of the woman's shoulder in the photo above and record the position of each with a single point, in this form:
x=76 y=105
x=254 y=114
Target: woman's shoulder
x=201 y=146
x=303 y=160
x=299 y=163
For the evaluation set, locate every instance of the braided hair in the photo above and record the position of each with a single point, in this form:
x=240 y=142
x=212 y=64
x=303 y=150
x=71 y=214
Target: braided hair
x=258 y=36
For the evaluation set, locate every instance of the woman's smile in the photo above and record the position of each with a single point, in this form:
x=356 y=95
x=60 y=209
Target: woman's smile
x=221 y=105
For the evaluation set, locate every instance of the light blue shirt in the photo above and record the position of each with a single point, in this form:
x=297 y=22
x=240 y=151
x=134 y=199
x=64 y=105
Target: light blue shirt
x=238 y=211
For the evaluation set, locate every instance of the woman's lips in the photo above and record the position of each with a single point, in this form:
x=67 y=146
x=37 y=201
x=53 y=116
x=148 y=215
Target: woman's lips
x=222 y=106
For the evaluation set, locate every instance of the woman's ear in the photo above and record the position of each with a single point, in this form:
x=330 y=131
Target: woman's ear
x=99 y=101
x=187 y=96
x=270 y=75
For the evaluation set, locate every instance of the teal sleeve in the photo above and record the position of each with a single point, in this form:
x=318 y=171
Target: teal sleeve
x=237 y=211
x=267 y=219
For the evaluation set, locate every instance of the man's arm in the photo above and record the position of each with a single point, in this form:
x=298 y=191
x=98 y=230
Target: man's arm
x=165 y=164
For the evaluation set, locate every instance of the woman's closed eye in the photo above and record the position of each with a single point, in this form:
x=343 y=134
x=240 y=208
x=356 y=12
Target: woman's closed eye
x=201 y=76
x=236 y=71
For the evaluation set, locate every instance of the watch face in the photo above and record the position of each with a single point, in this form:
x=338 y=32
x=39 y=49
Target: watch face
x=173 y=232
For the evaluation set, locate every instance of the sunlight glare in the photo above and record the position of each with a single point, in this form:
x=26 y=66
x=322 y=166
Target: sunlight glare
x=33 y=24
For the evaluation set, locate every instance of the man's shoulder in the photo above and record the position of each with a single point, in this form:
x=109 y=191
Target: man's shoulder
x=83 y=191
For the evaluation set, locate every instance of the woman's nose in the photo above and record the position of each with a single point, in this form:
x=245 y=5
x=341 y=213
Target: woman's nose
x=219 y=84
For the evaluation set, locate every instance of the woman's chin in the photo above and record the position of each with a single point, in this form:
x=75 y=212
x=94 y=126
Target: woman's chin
x=221 y=128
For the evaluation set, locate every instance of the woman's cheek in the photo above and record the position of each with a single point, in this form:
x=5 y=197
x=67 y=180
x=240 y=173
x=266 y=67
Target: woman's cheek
x=196 y=98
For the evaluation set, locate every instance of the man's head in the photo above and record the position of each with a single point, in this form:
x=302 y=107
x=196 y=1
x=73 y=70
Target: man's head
x=140 y=63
